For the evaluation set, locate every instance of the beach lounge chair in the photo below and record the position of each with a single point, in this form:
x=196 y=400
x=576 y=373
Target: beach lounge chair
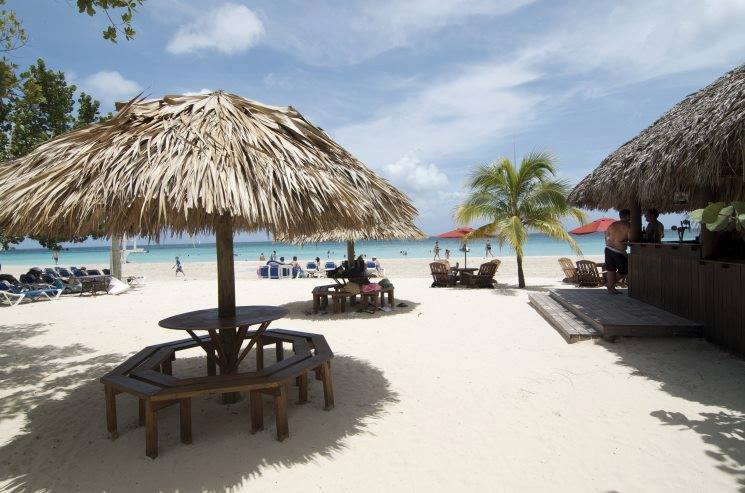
x=588 y=274
x=263 y=272
x=72 y=286
x=274 y=271
x=106 y=272
x=570 y=271
x=442 y=276
x=483 y=278
x=8 y=295
x=94 y=272
x=11 y=294
x=285 y=271
x=311 y=269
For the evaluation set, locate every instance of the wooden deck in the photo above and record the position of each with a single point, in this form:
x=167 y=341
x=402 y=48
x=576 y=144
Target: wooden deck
x=621 y=315
x=571 y=327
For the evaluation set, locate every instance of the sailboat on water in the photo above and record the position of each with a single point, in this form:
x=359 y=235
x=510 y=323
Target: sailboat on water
x=128 y=251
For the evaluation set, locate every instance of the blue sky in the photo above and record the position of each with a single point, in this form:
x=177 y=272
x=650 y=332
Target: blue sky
x=421 y=91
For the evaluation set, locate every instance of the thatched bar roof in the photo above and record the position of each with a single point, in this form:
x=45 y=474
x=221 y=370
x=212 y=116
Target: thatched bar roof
x=180 y=162
x=696 y=149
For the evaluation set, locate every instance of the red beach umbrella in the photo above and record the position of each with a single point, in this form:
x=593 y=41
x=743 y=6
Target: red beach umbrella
x=597 y=226
x=456 y=233
x=459 y=233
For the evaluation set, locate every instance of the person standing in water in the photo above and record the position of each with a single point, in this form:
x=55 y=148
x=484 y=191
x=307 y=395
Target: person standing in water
x=436 y=249
x=179 y=267
x=55 y=256
x=488 y=249
x=616 y=241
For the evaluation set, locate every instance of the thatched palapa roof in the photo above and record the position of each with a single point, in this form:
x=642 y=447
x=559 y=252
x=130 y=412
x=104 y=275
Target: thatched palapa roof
x=181 y=162
x=697 y=149
x=391 y=231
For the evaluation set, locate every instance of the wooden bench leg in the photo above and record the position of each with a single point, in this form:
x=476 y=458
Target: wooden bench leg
x=151 y=430
x=280 y=412
x=211 y=364
x=279 y=351
x=328 y=388
x=316 y=303
x=166 y=367
x=185 y=414
x=259 y=354
x=335 y=301
x=302 y=393
x=141 y=412
x=257 y=410
x=319 y=376
x=390 y=299
x=111 y=412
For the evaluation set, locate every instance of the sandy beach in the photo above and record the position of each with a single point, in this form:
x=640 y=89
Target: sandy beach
x=459 y=390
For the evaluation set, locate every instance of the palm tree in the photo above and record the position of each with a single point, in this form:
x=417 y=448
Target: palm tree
x=516 y=201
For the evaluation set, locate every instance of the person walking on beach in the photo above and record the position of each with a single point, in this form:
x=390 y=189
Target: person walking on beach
x=436 y=250
x=273 y=256
x=616 y=240
x=488 y=249
x=55 y=257
x=447 y=254
x=179 y=267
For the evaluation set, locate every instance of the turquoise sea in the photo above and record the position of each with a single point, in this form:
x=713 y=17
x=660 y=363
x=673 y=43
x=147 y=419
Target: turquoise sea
x=538 y=244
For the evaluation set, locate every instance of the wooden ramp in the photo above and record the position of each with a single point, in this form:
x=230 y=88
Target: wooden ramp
x=571 y=327
x=620 y=315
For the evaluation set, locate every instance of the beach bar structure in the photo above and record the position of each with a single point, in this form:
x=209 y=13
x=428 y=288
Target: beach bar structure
x=692 y=156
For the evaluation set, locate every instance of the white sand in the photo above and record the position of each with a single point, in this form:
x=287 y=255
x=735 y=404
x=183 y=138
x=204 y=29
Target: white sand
x=464 y=389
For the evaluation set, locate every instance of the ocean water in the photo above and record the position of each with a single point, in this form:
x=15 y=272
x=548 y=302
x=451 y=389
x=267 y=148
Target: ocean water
x=538 y=244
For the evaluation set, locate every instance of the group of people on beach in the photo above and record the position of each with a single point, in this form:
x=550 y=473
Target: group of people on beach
x=436 y=250
x=617 y=240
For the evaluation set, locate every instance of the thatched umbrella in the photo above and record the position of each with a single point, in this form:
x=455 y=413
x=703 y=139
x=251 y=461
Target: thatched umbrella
x=390 y=231
x=694 y=152
x=192 y=164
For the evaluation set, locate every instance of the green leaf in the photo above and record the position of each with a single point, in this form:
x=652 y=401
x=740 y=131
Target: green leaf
x=711 y=212
x=696 y=215
x=739 y=207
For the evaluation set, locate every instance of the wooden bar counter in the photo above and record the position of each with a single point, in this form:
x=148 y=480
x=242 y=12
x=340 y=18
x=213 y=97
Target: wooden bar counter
x=674 y=276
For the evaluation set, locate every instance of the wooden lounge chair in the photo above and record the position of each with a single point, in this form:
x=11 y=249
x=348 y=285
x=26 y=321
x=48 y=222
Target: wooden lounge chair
x=442 y=276
x=570 y=271
x=484 y=278
x=588 y=274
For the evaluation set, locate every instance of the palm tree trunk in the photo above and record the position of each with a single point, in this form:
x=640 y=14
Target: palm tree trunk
x=520 y=273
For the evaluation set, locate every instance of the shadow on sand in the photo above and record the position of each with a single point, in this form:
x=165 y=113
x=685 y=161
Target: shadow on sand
x=697 y=371
x=63 y=445
x=303 y=310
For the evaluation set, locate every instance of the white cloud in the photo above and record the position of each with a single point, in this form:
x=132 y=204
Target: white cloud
x=347 y=32
x=449 y=116
x=411 y=174
x=228 y=29
x=110 y=86
x=198 y=93
x=639 y=40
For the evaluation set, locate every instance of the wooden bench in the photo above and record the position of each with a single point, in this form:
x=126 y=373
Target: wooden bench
x=94 y=284
x=322 y=294
x=148 y=376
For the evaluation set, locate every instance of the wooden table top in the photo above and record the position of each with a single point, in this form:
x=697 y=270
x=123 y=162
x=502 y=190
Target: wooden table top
x=208 y=319
x=465 y=269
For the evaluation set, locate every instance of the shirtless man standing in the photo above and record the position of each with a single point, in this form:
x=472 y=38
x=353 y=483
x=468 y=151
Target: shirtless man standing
x=616 y=237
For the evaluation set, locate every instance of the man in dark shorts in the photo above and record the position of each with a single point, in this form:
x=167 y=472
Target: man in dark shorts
x=616 y=239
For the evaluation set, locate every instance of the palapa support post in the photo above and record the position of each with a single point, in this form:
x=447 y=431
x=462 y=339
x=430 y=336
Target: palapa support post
x=635 y=232
x=226 y=297
x=350 y=251
x=115 y=263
